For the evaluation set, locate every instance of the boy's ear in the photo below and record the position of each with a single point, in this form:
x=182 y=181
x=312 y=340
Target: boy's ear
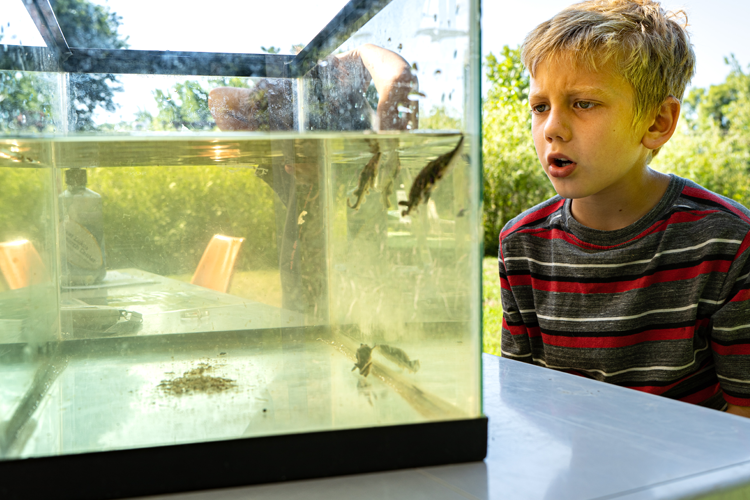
x=663 y=125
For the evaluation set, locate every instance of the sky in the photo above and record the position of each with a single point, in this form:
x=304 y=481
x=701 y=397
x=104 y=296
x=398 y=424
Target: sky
x=717 y=30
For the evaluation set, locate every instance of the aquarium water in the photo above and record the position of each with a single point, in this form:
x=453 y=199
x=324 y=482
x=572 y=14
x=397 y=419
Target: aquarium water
x=342 y=309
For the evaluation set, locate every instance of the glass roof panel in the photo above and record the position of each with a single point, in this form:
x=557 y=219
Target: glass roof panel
x=233 y=26
x=16 y=27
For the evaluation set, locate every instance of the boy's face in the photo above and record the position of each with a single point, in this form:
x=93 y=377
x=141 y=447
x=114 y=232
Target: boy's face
x=582 y=123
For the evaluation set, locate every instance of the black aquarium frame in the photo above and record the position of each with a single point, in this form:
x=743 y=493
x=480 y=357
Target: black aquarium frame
x=237 y=462
x=242 y=462
x=59 y=56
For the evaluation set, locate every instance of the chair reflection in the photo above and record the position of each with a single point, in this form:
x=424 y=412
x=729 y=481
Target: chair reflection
x=21 y=265
x=216 y=266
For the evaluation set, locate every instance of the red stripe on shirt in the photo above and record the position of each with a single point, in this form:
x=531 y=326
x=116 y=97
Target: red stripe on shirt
x=731 y=350
x=677 y=218
x=532 y=332
x=702 y=395
x=688 y=273
x=534 y=216
x=741 y=296
x=624 y=341
x=707 y=195
x=504 y=284
x=736 y=401
x=744 y=246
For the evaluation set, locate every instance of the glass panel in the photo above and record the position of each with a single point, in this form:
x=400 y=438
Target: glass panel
x=230 y=26
x=245 y=257
x=29 y=352
x=17 y=28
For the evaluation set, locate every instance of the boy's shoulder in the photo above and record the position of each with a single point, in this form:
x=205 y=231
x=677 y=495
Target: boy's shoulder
x=537 y=216
x=727 y=217
x=699 y=198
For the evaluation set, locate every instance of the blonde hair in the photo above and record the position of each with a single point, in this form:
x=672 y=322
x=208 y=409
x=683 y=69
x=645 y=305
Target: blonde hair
x=649 y=46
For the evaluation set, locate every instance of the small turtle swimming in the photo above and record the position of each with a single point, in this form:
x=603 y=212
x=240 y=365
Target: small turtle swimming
x=422 y=186
x=368 y=178
x=364 y=359
x=399 y=357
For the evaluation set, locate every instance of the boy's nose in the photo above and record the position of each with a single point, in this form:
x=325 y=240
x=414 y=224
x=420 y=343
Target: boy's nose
x=556 y=128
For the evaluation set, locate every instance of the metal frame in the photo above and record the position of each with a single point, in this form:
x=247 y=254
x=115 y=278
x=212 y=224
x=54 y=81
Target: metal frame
x=92 y=60
x=44 y=17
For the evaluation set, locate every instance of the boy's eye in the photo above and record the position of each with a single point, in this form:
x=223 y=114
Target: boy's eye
x=585 y=104
x=539 y=108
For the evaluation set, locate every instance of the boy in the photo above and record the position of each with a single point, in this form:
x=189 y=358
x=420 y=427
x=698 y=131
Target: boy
x=628 y=276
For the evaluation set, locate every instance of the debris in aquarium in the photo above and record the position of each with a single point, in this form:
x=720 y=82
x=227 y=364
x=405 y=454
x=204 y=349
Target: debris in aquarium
x=414 y=66
x=400 y=46
x=301 y=218
x=364 y=359
x=196 y=381
x=438 y=72
x=398 y=357
x=367 y=178
x=422 y=186
x=461 y=212
x=222 y=354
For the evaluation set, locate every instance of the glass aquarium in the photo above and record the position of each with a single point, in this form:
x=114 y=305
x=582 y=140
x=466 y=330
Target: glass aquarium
x=276 y=251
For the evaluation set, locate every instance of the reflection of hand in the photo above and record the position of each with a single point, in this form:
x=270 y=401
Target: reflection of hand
x=268 y=105
x=264 y=107
x=394 y=82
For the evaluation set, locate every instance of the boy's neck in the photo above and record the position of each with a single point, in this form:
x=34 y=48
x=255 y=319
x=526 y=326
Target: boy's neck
x=622 y=205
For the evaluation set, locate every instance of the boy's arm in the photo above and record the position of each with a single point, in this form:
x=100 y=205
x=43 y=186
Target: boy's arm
x=743 y=411
x=394 y=82
x=730 y=334
x=515 y=342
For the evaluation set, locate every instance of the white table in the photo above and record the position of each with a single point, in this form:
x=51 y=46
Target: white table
x=558 y=436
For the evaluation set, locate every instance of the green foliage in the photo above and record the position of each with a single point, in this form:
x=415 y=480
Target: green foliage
x=27 y=98
x=507 y=76
x=185 y=105
x=513 y=179
x=439 y=118
x=712 y=143
x=25 y=211
x=492 y=307
x=92 y=26
x=161 y=219
x=26 y=101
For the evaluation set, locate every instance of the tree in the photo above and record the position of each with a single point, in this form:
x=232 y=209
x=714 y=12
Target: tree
x=513 y=179
x=28 y=97
x=712 y=143
x=439 y=118
x=91 y=26
x=26 y=101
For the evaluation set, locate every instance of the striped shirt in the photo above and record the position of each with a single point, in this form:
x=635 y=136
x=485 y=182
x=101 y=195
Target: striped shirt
x=661 y=306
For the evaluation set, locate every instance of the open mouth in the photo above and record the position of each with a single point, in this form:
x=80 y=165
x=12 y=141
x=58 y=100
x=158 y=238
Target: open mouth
x=560 y=166
x=561 y=163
